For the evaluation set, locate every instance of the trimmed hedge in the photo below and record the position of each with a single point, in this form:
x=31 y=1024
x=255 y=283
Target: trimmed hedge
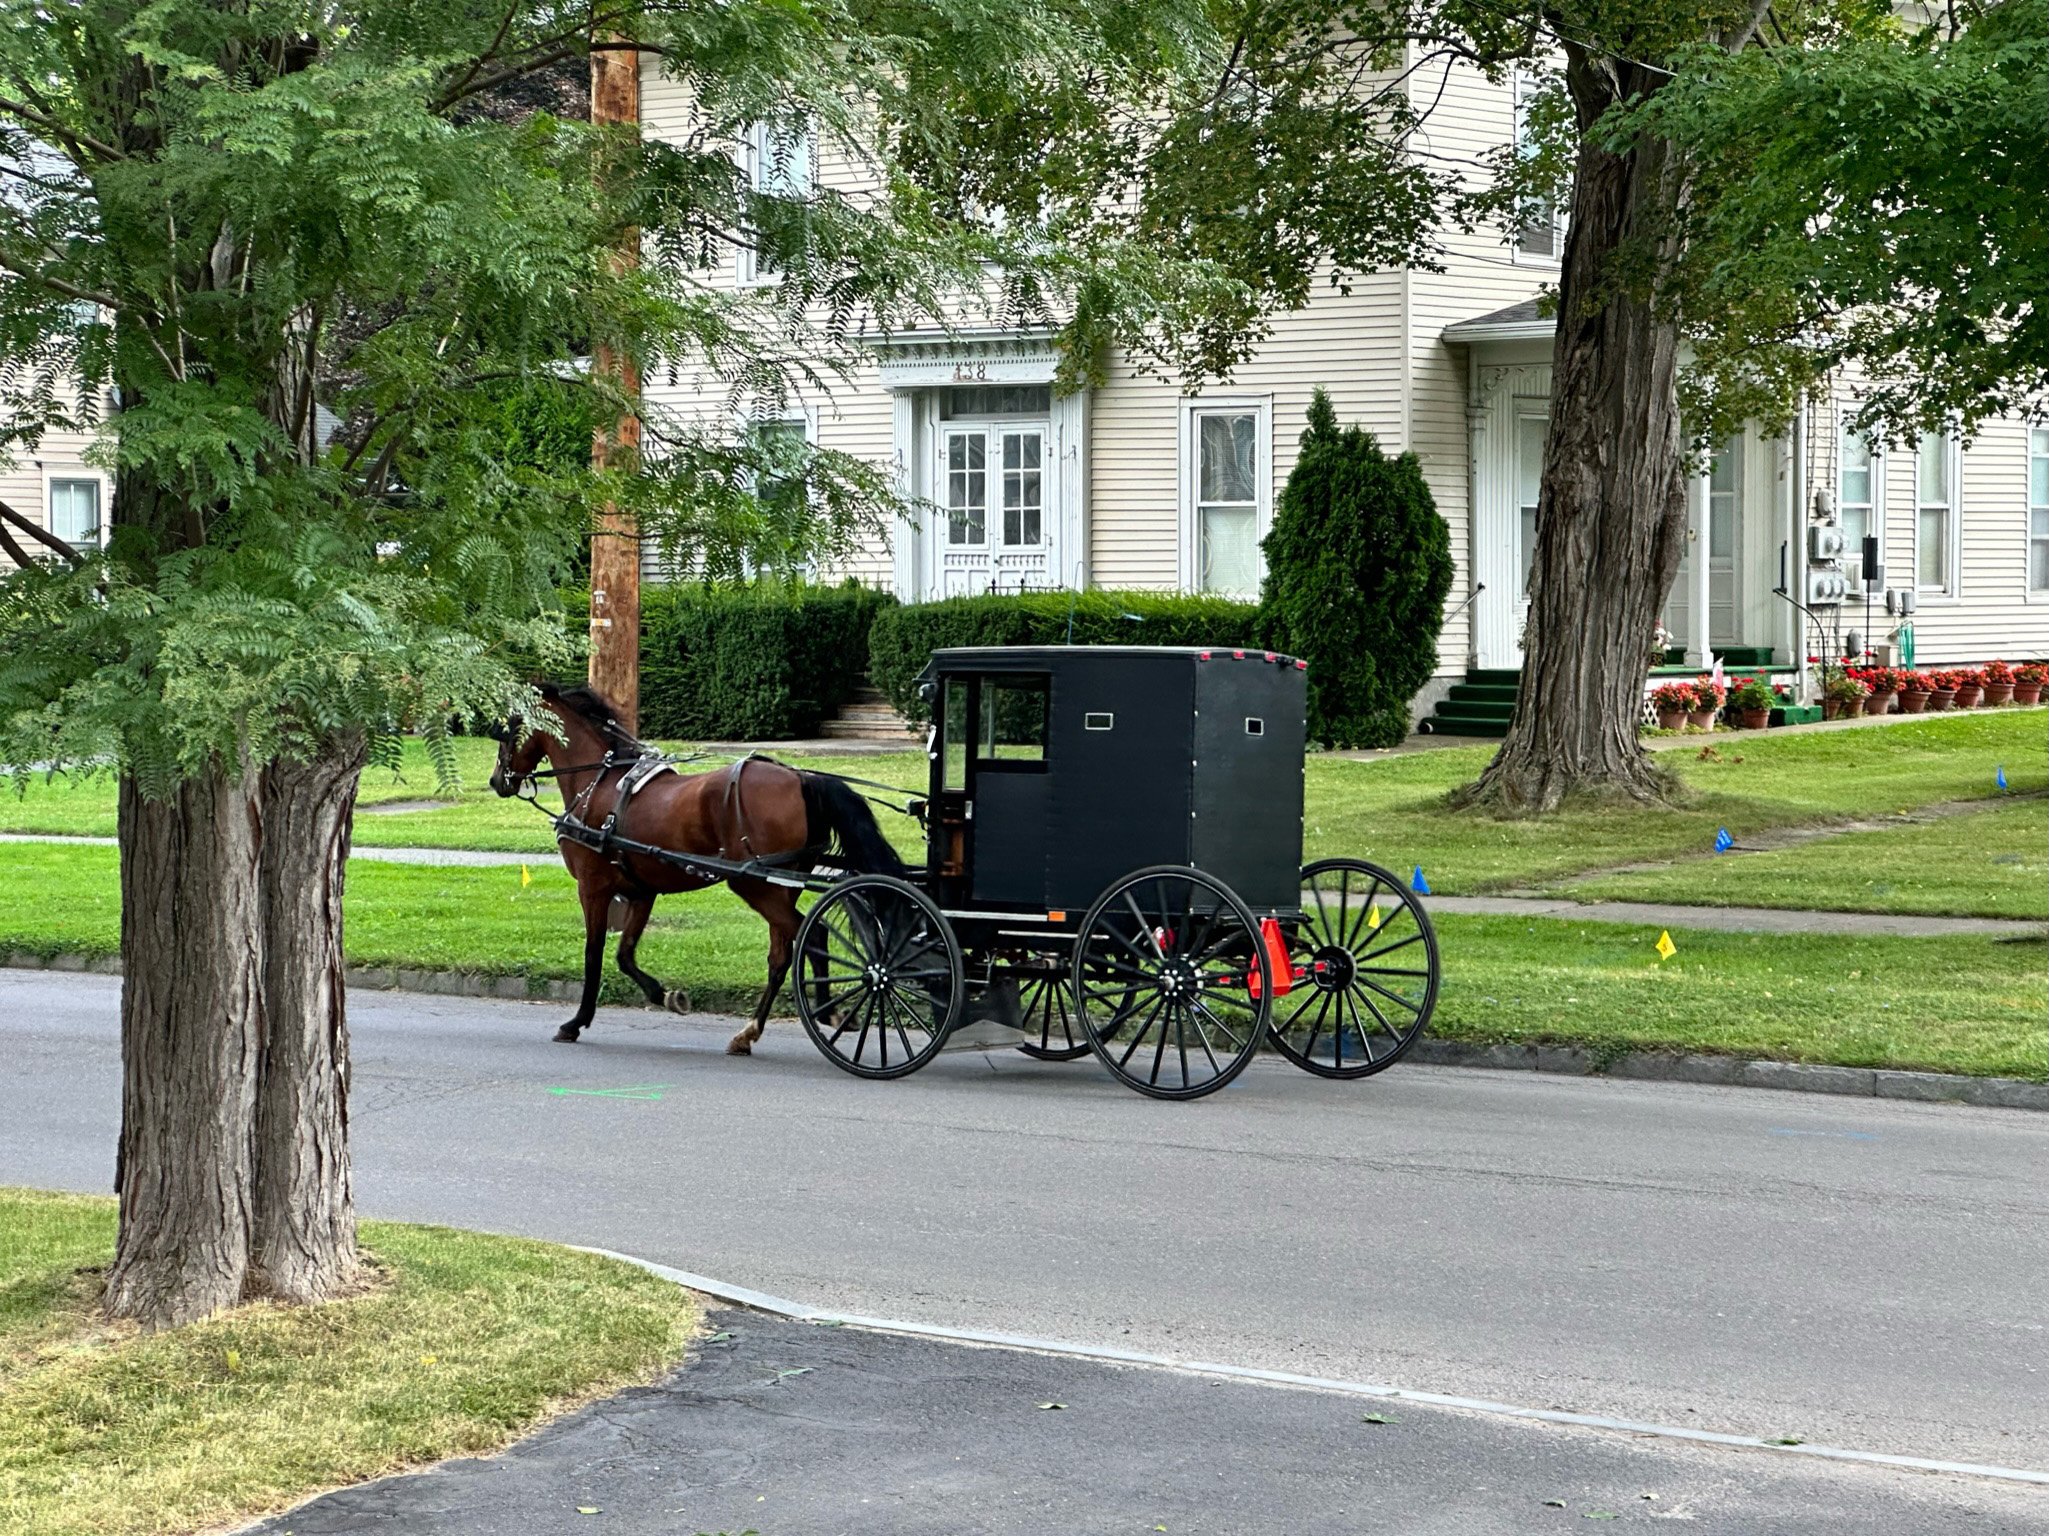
x=758 y=663
x=903 y=638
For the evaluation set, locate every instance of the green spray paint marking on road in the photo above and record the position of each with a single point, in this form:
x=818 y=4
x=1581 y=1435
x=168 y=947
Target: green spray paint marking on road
x=638 y=1091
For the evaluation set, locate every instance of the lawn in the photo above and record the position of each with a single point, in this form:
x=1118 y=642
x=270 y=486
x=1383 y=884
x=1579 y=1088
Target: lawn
x=462 y=1343
x=1992 y=862
x=1957 y=1005
x=1389 y=809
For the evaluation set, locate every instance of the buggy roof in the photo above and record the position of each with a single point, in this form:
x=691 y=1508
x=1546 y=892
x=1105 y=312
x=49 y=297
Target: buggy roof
x=1047 y=658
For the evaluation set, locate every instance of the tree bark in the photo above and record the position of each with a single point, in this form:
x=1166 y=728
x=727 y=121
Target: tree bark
x=191 y=1030
x=303 y=1242
x=1611 y=513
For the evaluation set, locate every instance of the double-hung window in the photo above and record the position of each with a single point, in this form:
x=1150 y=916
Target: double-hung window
x=1530 y=431
x=778 y=163
x=2038 y=509
x=1226 y=467
x=1539 y=226
x=1857 y=500
x=1936 y=514
x=75 y=511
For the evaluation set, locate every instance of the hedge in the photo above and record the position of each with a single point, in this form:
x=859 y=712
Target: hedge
x=758 y=663
x=903 y=639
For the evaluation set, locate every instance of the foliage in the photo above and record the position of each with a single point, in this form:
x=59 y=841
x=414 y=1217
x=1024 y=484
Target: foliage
x=1752 y=692
x=1874 y=198
x=904 y=639
x=462 y=1343
x=759 y=663
x=1358 y=566
x=1673 y=698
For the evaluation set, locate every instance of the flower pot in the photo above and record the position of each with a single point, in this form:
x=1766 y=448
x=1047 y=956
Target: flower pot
x=1831 y=709
x=1968 y=696
x=1701 y=719
x=1941 y=699
x=1753 y=719
x=1879 y=703
x=2027 y=693
x=1852 y=708
x=1914 y=700
x=1997 y=693
x=1671 y=719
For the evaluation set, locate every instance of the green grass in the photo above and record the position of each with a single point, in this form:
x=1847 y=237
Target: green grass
x=1985 y=863
x=463 y=1343
x=1387 y=809
x=1953 y=1005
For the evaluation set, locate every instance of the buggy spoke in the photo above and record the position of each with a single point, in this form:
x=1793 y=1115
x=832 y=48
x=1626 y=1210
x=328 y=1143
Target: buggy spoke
x=1322 y=1013
x=1158 y=1003
x=1236 y=1043
x=1388 y=949
x=1152 y=937
x=1392 y=1031
x=1393 y=997
x=1364 y=923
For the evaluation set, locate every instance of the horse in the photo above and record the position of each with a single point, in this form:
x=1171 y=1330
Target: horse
x=754 y=809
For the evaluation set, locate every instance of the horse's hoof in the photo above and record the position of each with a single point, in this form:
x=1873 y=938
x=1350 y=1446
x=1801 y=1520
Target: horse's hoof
x=677 y=1001
x=740 y=1045
x=566 y=1035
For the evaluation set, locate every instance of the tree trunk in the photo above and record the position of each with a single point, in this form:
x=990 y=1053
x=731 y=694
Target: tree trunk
x=303 y=1243
x=191 y=1030
x=1611 y=514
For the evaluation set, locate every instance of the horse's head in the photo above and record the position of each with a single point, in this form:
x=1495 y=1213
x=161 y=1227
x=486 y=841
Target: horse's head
x=519 y=753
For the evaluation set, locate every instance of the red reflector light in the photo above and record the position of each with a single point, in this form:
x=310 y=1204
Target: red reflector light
x=1239 y=654
x=1301 y=666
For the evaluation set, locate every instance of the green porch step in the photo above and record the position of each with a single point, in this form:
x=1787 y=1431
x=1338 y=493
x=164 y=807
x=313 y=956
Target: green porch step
x=1483 y=693
x=1479 y=706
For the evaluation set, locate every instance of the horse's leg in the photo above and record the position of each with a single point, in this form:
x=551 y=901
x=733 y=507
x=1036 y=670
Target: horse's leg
x=638 y=910
x=596 y=897
x=778 y=906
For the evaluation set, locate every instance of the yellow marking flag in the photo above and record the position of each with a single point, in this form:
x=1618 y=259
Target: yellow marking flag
x=526 y=877
x=1373 y=915
x=1666 y=948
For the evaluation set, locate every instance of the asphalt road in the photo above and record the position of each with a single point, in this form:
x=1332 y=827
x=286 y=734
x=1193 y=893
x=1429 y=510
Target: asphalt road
x=1865 y=1273
x=801 y=1431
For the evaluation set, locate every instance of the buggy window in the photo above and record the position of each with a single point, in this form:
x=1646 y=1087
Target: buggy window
x=1013 y=724
x=953 y=735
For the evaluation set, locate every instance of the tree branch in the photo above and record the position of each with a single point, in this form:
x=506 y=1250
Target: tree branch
x=57 y=284
x=40 y=534
x=70 y=135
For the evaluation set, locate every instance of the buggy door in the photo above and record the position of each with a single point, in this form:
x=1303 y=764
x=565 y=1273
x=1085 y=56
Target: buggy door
x=1010 y=784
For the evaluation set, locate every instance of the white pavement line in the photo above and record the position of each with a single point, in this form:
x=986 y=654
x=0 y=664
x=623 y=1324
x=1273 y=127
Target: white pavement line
x=761 y=1301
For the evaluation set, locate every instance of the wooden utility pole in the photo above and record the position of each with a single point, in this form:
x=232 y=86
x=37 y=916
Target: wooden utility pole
x=615 y=543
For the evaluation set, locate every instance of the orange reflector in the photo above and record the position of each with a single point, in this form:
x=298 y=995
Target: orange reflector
x=1276 y=959
x=1056 y=917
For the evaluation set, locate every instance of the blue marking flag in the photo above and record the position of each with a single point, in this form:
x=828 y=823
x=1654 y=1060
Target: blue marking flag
x=1418 y=884
x=2001 y=776
x=1723 y=841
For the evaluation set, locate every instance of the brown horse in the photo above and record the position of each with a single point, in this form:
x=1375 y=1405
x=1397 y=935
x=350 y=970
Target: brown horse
x=753 y=809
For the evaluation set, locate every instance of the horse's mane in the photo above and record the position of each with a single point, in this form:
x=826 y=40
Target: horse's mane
x=592 y=707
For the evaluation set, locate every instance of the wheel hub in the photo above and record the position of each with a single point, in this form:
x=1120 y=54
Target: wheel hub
x=877 y=974
x=1334 y=968
x=1179 y=979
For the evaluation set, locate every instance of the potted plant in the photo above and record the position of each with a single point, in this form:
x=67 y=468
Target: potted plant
x=1942 y=690
x=1845 y=693
x=1673 y=702
x=1708 y=697
x=1970 y=687
x=1883 y=683
x=1751 y=701
x=1916 y=689
x=1997 y=678
x=2029 y=679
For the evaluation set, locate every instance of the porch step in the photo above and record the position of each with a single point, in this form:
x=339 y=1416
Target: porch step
x=1479 y=706
x=1483 y=693
x=867 y=716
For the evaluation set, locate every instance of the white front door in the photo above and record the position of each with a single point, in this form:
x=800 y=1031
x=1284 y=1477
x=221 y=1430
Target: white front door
x=993 y=530
x=1725 y=542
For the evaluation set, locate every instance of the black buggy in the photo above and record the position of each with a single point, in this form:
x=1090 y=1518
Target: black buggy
x=1114 y=864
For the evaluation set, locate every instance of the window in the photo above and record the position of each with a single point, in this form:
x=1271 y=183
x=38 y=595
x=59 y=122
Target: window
x=977 y=401
x=1935 y=514
x=1725 y=495
x=2038 y=509
x=778 y=163
x=1857 y=499
x=967 y=488
x=785 y=500
x=1226 y=466
x=1024 y=493
x=953 y=735
x=1529 y=484
x=1540 y=230
x=75 y=511
x=1013 y=725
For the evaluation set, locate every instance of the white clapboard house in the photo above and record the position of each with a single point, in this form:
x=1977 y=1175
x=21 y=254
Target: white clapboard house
x=1139 y=483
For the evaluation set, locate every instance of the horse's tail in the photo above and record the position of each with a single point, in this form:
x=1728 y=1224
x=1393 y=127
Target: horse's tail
x=840 y=823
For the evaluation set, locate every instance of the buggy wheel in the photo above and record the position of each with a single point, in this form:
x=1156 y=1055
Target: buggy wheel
x=880 y=976
x=1171 y=983
x=1365 y=959
x=1051 y=1030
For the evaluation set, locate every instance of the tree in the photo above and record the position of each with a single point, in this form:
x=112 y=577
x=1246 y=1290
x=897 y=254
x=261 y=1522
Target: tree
x=299 y=264
x=1878 y=201
x=1358 y=566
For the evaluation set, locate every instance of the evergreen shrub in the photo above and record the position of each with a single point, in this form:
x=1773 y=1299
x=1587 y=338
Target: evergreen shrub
x=1358 y=567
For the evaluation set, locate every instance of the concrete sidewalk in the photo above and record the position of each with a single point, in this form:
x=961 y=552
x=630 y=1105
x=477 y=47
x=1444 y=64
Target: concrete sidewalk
x=793 y=1429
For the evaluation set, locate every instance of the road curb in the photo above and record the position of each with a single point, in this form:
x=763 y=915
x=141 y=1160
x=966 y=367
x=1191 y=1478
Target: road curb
x=1564 y=1060
x=797 y=1311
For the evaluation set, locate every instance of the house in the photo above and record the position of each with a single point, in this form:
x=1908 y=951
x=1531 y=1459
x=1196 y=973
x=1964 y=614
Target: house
x=53 y=487
x=1138 y=483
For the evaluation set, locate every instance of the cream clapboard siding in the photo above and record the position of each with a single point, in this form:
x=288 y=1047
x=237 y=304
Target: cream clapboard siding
x=24 y=481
